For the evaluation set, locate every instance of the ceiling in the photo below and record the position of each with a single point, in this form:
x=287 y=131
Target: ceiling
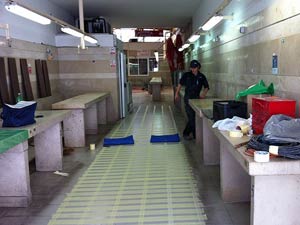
x=136 y=13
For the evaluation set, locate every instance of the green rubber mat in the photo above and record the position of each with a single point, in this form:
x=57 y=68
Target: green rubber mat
x=140 y=184
x=11 y=138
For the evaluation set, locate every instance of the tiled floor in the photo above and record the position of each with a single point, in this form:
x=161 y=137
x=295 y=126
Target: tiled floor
x=49 y=190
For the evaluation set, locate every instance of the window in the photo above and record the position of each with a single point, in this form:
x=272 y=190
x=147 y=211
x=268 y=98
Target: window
x=153 y=65
x=133 y=67
x=142 y=66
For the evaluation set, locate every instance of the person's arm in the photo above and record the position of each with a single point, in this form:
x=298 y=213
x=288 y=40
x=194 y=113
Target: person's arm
x=204 y=92
x=177 y=92
x=206 y=88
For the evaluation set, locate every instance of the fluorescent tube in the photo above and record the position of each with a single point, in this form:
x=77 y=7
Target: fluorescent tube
x=26 y=13
x=71 y=32
x=213 y=21
x=185 y=45
x=156 y=56
x=90 y=39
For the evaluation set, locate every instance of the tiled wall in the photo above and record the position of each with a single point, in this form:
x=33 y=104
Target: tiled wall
x=89 y=70
x=71 y=72
x=31 y=51
x=240 y=60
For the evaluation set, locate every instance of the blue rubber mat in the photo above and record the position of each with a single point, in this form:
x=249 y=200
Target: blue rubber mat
x=118 y=141
x=165 y=138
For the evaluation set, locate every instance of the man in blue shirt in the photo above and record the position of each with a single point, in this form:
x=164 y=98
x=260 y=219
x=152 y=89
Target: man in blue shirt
x=193 y=81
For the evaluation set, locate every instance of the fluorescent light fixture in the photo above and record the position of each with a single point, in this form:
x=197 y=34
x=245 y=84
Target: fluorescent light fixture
x=76 y=33
x=194 y=38
x=156 y=56
x=26 y=13
x=31 y=14
x=185 y=45
x=71 y=32
x=181 y=49
x=90 y=39
x=213 y=21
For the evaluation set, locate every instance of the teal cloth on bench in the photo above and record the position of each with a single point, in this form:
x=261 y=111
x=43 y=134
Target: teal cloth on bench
x=165 y=138
x=118 y=141
x=11 y=138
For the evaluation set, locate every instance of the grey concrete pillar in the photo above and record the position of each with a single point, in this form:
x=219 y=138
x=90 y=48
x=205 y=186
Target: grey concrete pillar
x=74 y=129
x=235 y=182
x=91 y=119
x=49 y=149
x=14 y=177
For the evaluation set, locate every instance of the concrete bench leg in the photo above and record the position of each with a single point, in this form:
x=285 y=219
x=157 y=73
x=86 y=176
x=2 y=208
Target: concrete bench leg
x=211 y=145
x=49 y=149
x=14 y=177
x=102 y=114
x=91 y=119
x=275 y=200
x=156 y=89
x=235 y=182
x=74 y=129
x=199 y=131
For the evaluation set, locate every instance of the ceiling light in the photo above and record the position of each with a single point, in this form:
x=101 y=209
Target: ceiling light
x=26 y=13
x=194 y=38
x=90 y=39
x=213 y=21
x=156 y=56
x=185 y=45
x=71 y=32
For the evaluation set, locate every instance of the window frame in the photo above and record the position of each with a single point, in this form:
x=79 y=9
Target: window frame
x=138 y=59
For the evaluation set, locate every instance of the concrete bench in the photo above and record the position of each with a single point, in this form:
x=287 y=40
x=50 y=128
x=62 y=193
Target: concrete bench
x=272 y=187
x=14 y=166
x=88 y=110
x=205 y=137
x=156 y=83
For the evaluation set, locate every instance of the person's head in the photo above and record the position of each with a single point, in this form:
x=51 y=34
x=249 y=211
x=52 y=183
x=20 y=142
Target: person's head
x=195 y=66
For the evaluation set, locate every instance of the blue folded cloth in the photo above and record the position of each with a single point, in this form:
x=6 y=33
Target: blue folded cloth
x=118 y=141
x=165 y=138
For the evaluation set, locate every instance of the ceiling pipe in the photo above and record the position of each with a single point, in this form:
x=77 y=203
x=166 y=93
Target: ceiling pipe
x=81 y=23
x=223 y=5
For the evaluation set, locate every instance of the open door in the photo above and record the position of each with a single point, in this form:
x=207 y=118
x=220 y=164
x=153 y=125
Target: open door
x=122 y=83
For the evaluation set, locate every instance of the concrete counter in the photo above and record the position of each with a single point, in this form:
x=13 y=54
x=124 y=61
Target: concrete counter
x=11 y=138
x=80 y=101
x=205 y=137
x=156 y=83
x=88 y=110
x=15 y=188
x=271 y=187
